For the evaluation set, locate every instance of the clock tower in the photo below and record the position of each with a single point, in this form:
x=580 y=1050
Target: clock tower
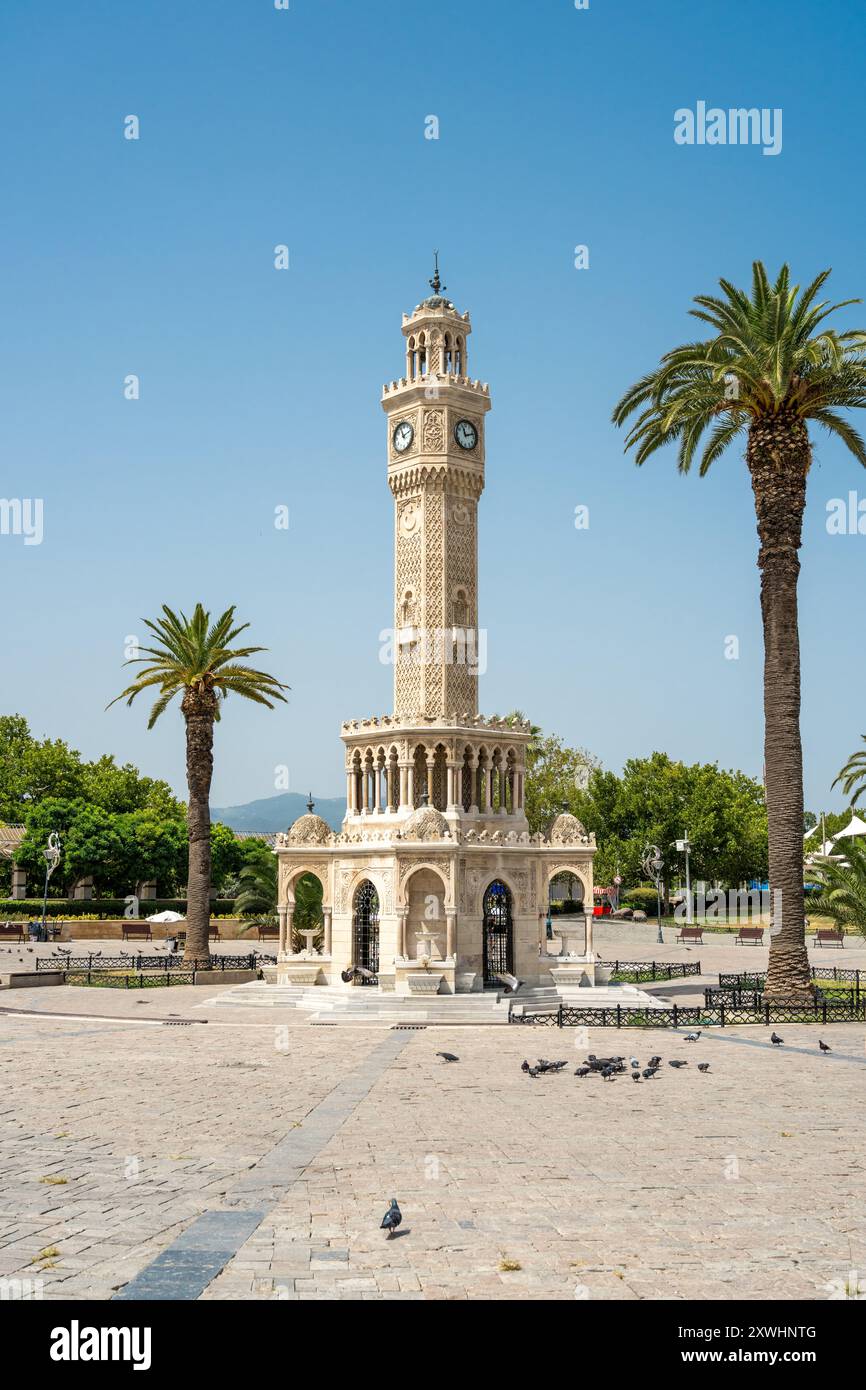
x=436 y=474
x=435 y=882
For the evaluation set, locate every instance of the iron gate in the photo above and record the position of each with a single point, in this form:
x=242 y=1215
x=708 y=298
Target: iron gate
x=498 y=935
x=365 y=933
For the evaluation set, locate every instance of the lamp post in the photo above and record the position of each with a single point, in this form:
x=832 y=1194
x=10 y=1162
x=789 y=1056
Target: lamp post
x=52 y=859
x=652 y=865
x=683 y=846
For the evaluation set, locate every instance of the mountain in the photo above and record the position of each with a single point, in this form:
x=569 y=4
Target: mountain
x=277 y=812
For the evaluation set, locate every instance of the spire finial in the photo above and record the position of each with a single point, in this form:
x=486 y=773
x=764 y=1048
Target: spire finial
x=436 y=284
x=311 y=805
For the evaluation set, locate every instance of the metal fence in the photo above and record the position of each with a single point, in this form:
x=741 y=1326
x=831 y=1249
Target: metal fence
x=155 y=979
x=635 y=971
x=722 y=1014
x=756 y=979
x=161 y=963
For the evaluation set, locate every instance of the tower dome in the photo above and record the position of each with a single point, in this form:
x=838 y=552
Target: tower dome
x=566 y=829
x=426 y=823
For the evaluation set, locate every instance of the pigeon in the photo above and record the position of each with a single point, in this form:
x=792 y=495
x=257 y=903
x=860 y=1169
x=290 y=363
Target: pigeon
x=64 y=952
x=447 y=1056
x=607 y=1073
x=649 y=1073
x=582 y=1071
x=825 y=1047
x=677 y=1064
x=524 y=1065
x=635 y=1076
x=692 y=1037
x=347 y=975
x=511 y=982
x=392 y=1218
x=703 y=1066
x=775 y=1039
x=655 y=1061
x=635 y=1064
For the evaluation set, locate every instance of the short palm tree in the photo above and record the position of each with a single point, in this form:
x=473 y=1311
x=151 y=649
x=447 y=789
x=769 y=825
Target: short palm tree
x=194 y=658
x=770 y=367
x=842 y=887
x=852 y=778
x=259 y=894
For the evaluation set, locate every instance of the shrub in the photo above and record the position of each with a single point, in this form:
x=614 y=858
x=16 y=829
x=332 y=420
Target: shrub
x=642 y=900
x=103 y=907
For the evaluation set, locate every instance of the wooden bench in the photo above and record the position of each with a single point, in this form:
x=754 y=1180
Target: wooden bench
x=12 y=931
x=269 y=933
x=755 y=934
x=829 y=936
x=691 y=934
x=134 y=933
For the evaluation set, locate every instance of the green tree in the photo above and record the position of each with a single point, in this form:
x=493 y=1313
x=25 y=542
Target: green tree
x=195 y=659
x=771 y=366
x=259 y=894
x=555 y=775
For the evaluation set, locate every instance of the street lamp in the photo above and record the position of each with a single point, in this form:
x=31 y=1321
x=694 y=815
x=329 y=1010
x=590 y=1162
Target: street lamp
x=683 y=847
x=52 y=859
x=652 y=865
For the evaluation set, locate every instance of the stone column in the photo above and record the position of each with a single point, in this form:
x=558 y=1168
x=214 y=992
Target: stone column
x=589 y=921
x=365 y=789
x=455 y=802
x=350 y=791
x=450 y=932
x=283 y=916
x=473 y=783
x=431 y=764
x=377 y=788
x=404 y=787
x=410 y=785
x=488 y=796
x=402 y=924
x=19 y=881
x=326 y=924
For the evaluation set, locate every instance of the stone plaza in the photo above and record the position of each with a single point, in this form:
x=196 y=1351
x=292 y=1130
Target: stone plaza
x=148 y=1153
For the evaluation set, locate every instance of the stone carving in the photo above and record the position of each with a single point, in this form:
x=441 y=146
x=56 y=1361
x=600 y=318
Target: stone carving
x=309 y=830
x=425 y=824
x=566 y=829
x=434 y=431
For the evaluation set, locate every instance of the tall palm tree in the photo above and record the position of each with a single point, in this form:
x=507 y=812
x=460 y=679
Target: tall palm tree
x=769 y=368
x=194 y=658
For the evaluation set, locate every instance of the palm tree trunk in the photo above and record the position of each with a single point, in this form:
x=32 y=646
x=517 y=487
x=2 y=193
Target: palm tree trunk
x=778 y=456
x=199 y=711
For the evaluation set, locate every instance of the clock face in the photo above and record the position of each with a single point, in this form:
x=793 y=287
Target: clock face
x=466 y=434
x=403 y=436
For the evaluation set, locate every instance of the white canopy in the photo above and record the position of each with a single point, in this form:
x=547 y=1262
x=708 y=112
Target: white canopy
x=167 y=917
x=855 y=826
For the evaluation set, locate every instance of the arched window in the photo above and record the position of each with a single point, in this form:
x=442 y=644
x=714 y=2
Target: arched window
x=365 y=933
x=498 y=933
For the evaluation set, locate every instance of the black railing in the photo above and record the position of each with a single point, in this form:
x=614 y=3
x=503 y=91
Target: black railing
x=635 y=971
x=722 y=1014
x=136 y=964
x=756 y=979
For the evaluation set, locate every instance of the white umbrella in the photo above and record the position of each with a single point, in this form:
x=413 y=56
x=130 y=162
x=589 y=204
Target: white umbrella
x=167 y=917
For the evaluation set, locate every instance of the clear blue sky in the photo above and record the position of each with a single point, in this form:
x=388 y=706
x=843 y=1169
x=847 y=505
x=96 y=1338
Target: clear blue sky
x=259 y=388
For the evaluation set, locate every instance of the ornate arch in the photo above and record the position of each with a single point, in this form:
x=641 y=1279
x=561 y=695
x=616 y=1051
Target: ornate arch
x=407 y=872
